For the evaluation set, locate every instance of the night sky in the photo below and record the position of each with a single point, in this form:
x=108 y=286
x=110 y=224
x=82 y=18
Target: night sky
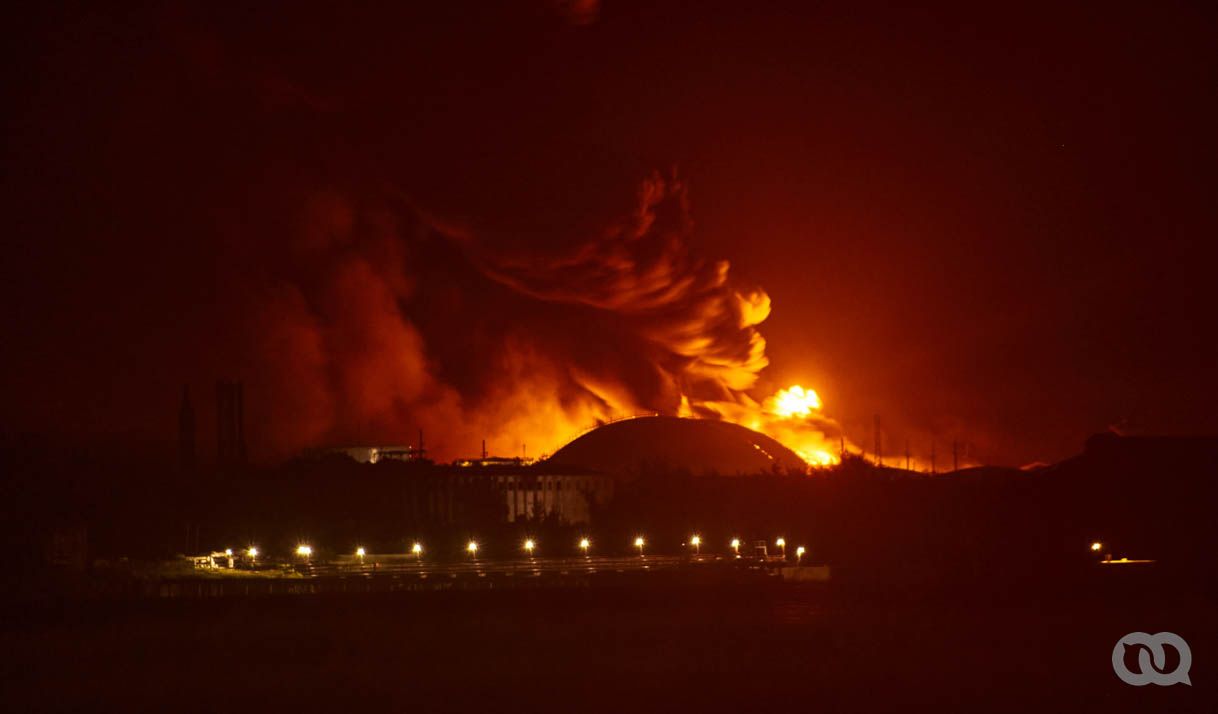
x=984 y=226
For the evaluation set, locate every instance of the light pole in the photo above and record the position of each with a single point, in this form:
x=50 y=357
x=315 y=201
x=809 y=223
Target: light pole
x=304 y=551
x=782 y=547
x=639 y=543
x=360 y=553
x=529 y=545
x=472 y=549
x=696 y=542
x=736 y=546
x=799 y=554
x=584 y=545
x=417 y=549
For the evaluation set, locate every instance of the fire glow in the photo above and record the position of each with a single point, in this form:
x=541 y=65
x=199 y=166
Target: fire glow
x=794 y=401
x=517 y=350
x=798 y=412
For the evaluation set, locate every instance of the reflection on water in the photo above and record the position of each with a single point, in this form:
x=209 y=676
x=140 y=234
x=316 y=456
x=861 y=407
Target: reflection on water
x=693 y=648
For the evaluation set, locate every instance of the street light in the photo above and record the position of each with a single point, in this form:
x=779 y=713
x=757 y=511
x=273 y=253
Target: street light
x=228 y=552
x=1095 y=547
x=304 y=551
x=782 y=546
x=472 y=548
x=529 y=545
x=736 y=546
x=696 y=542
x=417 y=549
x=799 y=554
x=252 y=552
x=360 y=552
x=639 y=543
x=584 y=545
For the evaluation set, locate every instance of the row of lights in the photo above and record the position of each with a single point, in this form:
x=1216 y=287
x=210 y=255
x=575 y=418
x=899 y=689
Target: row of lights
x=530 y=545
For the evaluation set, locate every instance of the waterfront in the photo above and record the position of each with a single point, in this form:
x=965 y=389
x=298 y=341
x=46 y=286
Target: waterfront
x=745 y=647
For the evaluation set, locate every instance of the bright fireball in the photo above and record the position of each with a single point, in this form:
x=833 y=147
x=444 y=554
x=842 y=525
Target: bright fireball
x=795 y=402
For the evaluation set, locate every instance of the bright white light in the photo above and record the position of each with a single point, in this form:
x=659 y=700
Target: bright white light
x=584 y=543
x=417 y=548
x=781 y=543
x=228 y=552
x=1096 y=546
x=529 y=545
x=252 y=552
x=472 y=547
x=696 y=541
x=360 y=552
x=735 y=544
x=799 y=552
x=304 y=550
x=638 y=542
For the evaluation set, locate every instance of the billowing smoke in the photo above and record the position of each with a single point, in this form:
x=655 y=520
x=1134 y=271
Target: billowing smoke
x=384 y=320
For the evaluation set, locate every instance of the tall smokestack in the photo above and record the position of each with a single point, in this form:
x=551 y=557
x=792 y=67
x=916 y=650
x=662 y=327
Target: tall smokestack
x=230 y=423
x=879 y=456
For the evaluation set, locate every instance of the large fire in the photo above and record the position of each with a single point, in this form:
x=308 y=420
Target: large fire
x=491 y=345
x=794 y=401
x=792 y=416
x=799 y=424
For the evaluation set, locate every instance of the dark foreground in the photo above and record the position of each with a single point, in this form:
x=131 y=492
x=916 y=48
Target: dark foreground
x=625 y=648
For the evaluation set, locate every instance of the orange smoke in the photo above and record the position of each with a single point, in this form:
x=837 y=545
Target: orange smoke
x=384 y=322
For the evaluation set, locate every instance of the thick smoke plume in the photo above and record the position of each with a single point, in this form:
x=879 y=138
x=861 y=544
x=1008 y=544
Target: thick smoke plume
x=387 y=321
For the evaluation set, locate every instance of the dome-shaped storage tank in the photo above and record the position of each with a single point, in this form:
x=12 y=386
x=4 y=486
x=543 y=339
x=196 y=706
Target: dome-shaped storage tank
x=658 y=443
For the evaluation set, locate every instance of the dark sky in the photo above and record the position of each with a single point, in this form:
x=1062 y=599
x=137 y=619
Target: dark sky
x=984 y=225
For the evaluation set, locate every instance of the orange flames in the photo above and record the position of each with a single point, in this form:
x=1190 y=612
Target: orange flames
x=799 y=424
x=516 y=349
x=794 y=401
x=791 y=416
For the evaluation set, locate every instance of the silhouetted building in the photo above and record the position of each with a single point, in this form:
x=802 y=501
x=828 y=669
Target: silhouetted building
x=629 y=447
x=230 y=424
x=371 y=454
x=537 y=491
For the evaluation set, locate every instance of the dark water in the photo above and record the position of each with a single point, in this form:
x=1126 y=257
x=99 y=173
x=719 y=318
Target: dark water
x=673 y=648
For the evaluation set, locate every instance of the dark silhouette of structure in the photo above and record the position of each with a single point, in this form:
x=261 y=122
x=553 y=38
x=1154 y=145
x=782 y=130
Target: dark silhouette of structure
x=630 y=447
x=879 y=454
x=230 y=424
